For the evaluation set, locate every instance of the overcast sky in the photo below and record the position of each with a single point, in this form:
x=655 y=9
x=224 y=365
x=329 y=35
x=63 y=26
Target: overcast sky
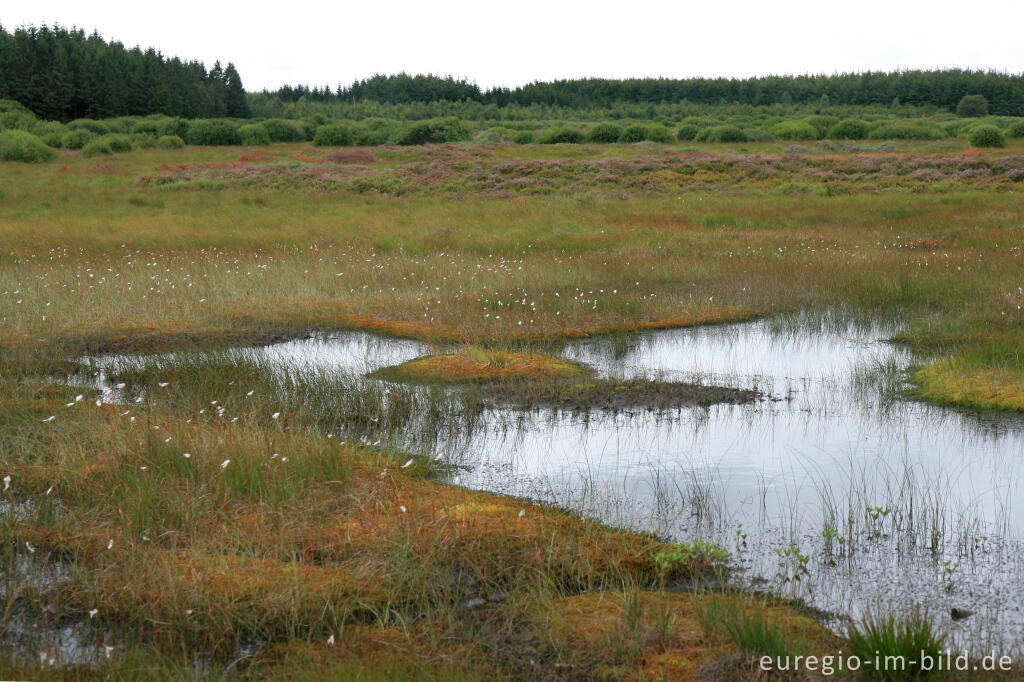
x=511 y=43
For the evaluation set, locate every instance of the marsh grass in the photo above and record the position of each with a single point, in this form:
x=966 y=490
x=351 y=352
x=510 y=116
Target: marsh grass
x=749 y=626
x=194 y=567
x=895 y=640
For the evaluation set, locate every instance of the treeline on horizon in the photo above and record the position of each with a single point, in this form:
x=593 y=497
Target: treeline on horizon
x=62 y=74
x=943 y=89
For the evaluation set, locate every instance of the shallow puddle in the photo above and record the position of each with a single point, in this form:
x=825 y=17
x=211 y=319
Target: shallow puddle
x=831 y=488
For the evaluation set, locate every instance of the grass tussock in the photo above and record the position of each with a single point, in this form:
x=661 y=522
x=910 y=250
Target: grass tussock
x=955 y=382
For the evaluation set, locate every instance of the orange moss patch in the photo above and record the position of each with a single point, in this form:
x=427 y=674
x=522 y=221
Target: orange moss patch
x=951 y=382
x=476 y=365
x=656 y=635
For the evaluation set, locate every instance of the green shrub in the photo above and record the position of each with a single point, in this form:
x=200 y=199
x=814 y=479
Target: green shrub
x=795 y=130
x=523 y=137
x=687 y=132
x=435 y=131
x=19 y=145
x=822 y=123
x=887 y=636
x=561 y=136
x=119 y=143
x=212 y=132
x=42 y=128
x=18 y=120
x=94 y=127
x=170 y=142
x=254 y=134
x=604 y=133
x=334 y=135
x=906 y=130
x=849 y=129
x=376 y=131
x=76 y=139
x=1016 y=129
x=283 y=131
x=144 y=141
x=658 y=133
x=986 y=136
x=173 y=127
x=758 y=135
x=972 y=106
x=97 y=147
x=147 y=127
x=725 y=133
x=634 y=133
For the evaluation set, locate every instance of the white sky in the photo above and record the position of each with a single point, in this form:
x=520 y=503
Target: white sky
x=511 y=43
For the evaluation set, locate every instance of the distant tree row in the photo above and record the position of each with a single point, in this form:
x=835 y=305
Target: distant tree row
x=63 y=74
x=1004 y=92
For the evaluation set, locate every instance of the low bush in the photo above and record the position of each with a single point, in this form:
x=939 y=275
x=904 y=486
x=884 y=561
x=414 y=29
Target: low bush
x=906 y=130
x=254 y=134
x=435 y=131
x=1016 y=129
x=849 y=129
x=119 y=143
x=972 y=106
x=658 y=133
x=280 y=130
x=94 y=127
x=18 y=120
x=822 y=123
x=148 y=126
x=19 y=145
x=795 y=130
x=97 y=147
x=986 y=136
x=170 y=142
x=523 y=137
x=376 y=131
x=334 y=135
x=144 y=141
x=634 y=133
x=212 y=132
x=758 y=135
x=561 y=136
x=173 y=127
x=725 y=133
x=604 y=133
x=76 y=139
x=687 y=132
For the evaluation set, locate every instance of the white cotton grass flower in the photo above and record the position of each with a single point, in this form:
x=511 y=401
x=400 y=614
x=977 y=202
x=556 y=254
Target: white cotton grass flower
x=522 y=513
x=49 y=419
x=275 y=415
x=92 y=614
x=330 y=640
x=110 y=545
x=402 y=507
x=407 y=464
x=29 y=547
x=163 y=384
x=225 y=463
x=7 y=481
x=187 y=455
